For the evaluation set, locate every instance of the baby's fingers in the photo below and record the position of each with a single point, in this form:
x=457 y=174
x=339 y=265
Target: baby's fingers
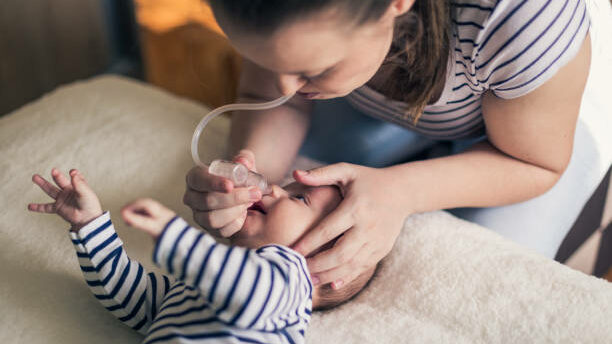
x=135 y=219
x=78 y=182
x=47 y=187
x=147 y=215
x=48 y=208
x=59 y=178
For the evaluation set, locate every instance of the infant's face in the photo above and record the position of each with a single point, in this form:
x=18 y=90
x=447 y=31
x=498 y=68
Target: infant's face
x=286 y=214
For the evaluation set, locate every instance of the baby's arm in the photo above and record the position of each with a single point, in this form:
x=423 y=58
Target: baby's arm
x=260 y=289
x=122 y=285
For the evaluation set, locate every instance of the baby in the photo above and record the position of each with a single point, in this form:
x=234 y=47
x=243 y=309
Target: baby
x=255 y=291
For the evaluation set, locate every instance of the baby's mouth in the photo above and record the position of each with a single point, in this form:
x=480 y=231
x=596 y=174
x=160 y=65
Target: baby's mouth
x=258 y=206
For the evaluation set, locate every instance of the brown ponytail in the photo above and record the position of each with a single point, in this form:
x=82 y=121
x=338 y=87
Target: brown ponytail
x=415 y=68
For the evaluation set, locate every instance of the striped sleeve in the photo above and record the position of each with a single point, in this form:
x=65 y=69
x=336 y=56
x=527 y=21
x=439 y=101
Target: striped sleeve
x=524 y=43
x=121 y=285
x=265 y=289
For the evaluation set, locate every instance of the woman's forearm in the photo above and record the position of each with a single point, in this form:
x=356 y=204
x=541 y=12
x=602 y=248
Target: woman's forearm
x=274 y=135
x=482 y=176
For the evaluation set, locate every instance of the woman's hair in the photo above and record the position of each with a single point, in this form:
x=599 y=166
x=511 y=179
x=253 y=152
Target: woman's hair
x=415 y=66
x=417 y=61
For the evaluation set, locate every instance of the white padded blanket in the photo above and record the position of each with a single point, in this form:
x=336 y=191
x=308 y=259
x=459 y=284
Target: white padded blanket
x=446 y=280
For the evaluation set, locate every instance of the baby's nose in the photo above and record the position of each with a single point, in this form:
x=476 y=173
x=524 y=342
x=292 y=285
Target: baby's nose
x=278 y=192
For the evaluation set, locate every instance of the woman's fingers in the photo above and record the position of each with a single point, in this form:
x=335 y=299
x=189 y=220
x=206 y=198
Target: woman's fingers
x=343 y=251
x=48 y=208
x=59 y=178
x=337 y=174
x=198 y=179
x=233 y=227
x=47 y=187
x=336 y=223
x=247 y=158
x=339 y=276
x=215 y=219
x=206 y=201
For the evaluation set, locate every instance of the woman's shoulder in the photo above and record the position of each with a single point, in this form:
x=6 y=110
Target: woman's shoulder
x=511 y=47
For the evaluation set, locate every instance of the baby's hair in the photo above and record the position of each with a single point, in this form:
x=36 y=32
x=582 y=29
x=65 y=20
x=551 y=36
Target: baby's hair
x=329 y=298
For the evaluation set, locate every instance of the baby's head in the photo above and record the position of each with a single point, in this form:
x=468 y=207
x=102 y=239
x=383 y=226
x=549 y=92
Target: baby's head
x=283 y=217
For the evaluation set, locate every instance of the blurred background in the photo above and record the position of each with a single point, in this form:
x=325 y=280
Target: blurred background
x=174 y=44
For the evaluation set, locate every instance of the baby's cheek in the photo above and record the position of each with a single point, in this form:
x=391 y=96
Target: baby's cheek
x=279 y=231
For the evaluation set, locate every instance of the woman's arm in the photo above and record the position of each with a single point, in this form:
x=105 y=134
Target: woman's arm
x=530 y=144
x=274 y=135
x=529 y=147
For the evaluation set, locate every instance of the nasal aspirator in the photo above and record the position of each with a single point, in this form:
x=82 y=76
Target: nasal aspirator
x=239 y=174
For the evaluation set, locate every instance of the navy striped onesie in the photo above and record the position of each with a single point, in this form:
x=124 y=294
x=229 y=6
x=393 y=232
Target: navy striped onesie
x=212 y=293
x=508 y=47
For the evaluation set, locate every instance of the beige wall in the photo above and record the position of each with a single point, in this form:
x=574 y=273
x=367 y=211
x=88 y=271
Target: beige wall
x=44 y=43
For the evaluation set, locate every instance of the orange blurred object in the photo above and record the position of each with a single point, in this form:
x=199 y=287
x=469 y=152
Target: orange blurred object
x=185 y=52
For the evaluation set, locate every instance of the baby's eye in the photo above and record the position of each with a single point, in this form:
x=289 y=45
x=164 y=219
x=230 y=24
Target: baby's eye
x=300 y=198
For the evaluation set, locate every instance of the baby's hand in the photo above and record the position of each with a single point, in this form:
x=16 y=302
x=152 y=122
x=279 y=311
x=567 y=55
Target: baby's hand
x=147 y=215
x=75 y=201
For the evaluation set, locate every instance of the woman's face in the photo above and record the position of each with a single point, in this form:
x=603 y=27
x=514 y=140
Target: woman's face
x=321 y=56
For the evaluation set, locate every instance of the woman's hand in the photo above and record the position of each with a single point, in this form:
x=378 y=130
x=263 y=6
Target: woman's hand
x=75 y=201
x=216 y=204
x=148 y=215
x=369 y=219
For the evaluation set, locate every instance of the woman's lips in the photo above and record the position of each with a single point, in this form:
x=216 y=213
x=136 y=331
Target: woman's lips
x=308 y=95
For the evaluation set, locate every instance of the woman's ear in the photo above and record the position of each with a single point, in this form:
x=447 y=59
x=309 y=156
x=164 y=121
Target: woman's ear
x=399 y=7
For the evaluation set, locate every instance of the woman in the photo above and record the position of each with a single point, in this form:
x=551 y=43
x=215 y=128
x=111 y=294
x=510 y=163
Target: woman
x=501 y=80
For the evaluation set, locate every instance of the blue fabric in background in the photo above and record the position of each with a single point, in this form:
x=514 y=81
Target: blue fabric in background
x=340 y=133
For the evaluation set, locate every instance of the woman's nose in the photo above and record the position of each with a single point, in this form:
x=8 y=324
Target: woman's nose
x=289 y=84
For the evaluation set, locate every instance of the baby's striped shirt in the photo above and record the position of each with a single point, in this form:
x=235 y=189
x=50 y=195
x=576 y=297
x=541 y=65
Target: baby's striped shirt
x=211 y=292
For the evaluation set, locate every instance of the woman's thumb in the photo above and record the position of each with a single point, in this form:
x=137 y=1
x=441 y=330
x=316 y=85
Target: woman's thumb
x=336 y=174
x=247 y=158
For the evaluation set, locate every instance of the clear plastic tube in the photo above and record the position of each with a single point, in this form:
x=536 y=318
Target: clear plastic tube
x=225 y=168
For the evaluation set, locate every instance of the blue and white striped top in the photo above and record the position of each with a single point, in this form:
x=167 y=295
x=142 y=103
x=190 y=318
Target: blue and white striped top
x=213 y=293
x=507 y=47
